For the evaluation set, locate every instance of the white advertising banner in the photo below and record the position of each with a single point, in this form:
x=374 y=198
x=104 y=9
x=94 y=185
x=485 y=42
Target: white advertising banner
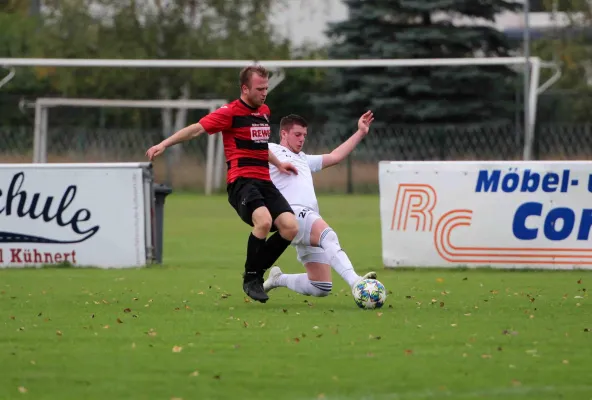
x=498 y=214
x=81 y=214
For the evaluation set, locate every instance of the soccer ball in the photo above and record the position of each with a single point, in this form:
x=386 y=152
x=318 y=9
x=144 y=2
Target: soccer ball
x=369 y=294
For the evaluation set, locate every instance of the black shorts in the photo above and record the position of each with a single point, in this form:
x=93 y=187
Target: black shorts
x=245 y=195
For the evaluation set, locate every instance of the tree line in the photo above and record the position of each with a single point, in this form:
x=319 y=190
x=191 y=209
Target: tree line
x=226 y=29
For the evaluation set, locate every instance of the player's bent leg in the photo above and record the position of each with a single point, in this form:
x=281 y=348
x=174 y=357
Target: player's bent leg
x=253 y=278
x=300 y=283
x=323 y=236
x=279 y=241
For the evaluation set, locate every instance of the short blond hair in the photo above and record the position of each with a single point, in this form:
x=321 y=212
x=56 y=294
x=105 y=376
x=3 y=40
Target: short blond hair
x=246 y=73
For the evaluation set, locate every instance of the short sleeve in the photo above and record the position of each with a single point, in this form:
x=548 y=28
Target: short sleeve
x=315 y=163
x=218 y=120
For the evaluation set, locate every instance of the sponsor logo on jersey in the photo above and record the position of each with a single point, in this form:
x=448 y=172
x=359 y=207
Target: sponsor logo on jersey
x=260 y=134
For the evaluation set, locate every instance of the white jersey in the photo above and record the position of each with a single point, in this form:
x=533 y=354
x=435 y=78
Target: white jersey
x=297 y=189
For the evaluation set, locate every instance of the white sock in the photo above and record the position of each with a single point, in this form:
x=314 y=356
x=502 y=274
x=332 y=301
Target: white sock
x=339 y=260
x=300 y=283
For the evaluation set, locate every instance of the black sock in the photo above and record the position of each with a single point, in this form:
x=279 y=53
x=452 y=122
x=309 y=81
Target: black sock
x=254 y=248
x=273 y=249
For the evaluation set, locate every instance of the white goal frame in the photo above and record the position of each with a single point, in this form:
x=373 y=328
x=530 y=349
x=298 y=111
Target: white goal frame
x=215 y=147
x=532 y=90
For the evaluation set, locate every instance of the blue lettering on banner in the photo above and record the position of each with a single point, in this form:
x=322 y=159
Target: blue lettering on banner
x=558 y=223
x=526 y=181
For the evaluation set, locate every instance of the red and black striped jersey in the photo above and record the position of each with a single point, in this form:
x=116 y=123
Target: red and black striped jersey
x=245 y=131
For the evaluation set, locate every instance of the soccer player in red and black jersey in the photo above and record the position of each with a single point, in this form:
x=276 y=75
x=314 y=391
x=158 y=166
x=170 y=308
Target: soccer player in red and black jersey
x=244 y=124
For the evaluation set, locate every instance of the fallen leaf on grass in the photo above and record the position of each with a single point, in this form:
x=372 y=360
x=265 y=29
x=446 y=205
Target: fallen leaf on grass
x=565 y=361
x=439 y=280
x=127 y=310
x=59 y=333
x=194 y=373
x=217 y=377
x=245 y=324
x=177 y=349
x=296 y=340
x=408 y=352
x=441 y=304
x=579 y=282
x=119 y=321
x=22 y=389
x=379 y=314
x=33 y=362
x=485 y=355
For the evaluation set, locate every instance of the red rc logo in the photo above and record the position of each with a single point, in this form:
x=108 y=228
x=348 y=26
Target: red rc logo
x=413 y=210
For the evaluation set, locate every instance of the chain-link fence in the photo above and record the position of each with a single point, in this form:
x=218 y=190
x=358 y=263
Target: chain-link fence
x=185 y=167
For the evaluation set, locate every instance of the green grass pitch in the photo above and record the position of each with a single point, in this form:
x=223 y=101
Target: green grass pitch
x=184 y=330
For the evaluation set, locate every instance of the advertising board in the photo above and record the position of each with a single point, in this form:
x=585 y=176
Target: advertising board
x=498 y=214
x=81 y=214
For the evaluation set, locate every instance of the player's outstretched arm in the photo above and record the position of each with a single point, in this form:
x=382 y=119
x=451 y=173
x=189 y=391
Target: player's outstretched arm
x=182 y=135
x=343 y=150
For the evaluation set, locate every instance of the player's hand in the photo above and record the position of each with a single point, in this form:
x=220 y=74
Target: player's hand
x=286 y=168
x=155 y=151
x=365 y=121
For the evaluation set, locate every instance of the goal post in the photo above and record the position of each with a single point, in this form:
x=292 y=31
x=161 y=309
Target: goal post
x=214 y=153
x=533 y=88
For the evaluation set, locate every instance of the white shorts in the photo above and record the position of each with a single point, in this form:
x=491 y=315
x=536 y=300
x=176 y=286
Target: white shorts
x=307 y=253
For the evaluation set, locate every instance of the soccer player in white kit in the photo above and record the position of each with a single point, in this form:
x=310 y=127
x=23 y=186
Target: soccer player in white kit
x=317 y=245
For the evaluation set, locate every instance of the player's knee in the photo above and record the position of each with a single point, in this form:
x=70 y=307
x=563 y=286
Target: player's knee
x=289 y=227
x=263 y=225
x=329 y=239
x=321 y=289
x=262 y=221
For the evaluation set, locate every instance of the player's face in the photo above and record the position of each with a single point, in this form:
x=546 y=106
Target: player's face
x=257 y=90
x=295 y=138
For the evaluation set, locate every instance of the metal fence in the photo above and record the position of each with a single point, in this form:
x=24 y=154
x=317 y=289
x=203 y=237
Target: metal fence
x=185 y=169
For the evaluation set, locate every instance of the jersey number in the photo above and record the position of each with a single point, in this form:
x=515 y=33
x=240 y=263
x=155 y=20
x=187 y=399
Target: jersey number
x=303 y=213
